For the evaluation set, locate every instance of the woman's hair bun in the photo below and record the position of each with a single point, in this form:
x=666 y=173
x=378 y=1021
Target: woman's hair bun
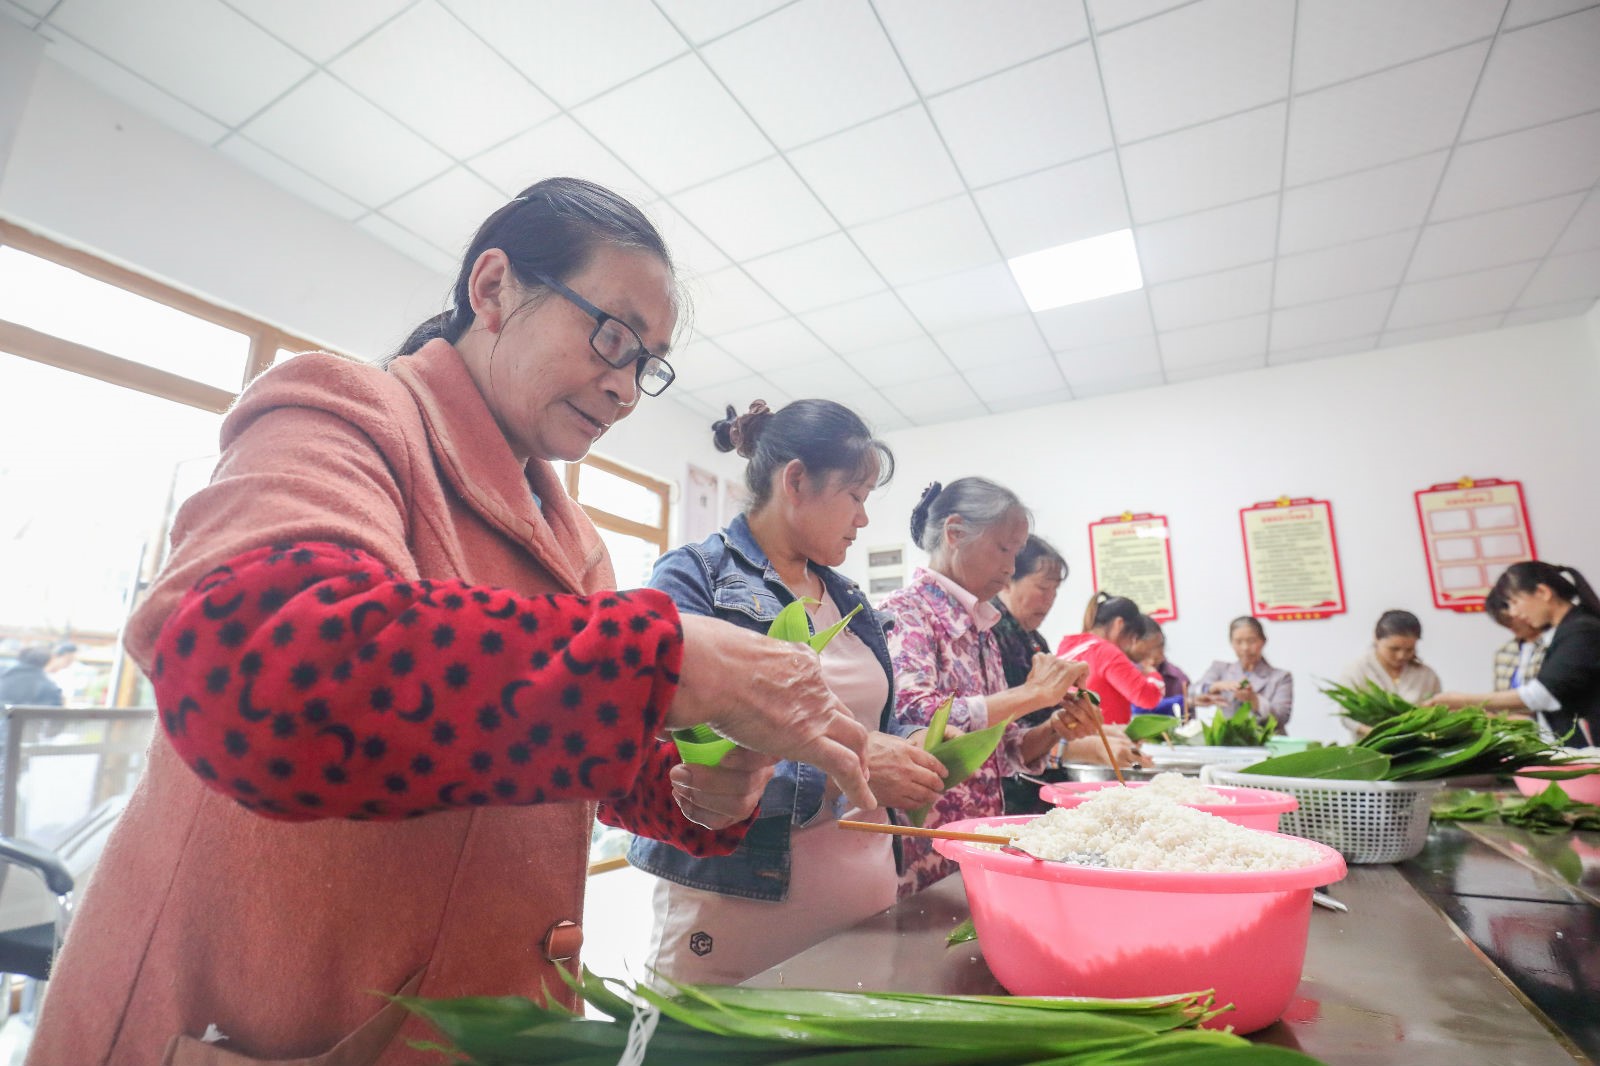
x=919 y=513
x=739 y=433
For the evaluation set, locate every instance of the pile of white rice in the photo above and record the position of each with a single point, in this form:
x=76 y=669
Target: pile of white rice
x=1180 y=789
x=1138 y=829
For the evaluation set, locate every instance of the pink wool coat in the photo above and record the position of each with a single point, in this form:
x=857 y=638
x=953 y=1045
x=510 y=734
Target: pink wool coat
x=278 y=933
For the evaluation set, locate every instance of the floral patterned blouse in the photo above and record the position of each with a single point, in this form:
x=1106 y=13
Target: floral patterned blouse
x=942 y=645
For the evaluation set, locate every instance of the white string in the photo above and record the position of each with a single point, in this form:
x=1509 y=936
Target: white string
x=640 y=1030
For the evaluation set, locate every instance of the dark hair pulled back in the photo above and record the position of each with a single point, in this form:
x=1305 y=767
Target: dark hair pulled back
x=826 y=438
x=1248 y=620
x=1105 y=608
x=1564 y=581
x=1397 y=624
x=552 y=227
x=977 y=501
x=1039 y=555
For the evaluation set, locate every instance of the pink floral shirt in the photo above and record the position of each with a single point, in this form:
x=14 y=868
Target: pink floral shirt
x=942 y=646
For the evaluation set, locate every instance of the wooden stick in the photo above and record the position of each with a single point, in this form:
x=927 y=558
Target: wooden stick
x=913 y=831
x=1112 y=759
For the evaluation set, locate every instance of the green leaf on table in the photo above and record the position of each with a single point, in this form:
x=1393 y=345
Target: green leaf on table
x=1336 y=762
x=962 y=933
x=1149 y=726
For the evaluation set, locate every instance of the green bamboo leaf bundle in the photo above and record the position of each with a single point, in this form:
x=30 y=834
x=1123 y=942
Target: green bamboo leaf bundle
x=1241 y=729
x=961 y=756
x=1550 y=811
x=782 y=1027
x=1369 y=704
x=1149 y=726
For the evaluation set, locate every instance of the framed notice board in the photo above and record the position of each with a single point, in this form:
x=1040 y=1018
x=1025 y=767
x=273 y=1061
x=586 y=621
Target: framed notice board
x=1131 y=555
x=1472 y=529
x=1291 y=559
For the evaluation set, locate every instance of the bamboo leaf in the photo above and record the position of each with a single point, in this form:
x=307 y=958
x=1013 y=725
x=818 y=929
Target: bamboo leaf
x=792 y=624
x=961 y=934
x=820 y=640
x=1149 y=726
x=1334 y=762
x=941 y=719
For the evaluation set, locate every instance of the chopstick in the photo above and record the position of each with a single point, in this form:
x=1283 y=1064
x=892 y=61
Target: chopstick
x=913 y=831
x=1110 y=758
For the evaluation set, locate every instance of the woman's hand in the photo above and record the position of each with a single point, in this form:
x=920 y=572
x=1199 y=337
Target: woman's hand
x=1223 y=687
x=1454 y=700
x=1050 y=678
x=768 y=695
x=722 y=795
x=1076 y=717
x=1090 y=750
x=903 y=775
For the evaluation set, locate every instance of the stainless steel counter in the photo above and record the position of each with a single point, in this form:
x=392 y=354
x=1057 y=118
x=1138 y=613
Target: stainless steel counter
x=1391 y=982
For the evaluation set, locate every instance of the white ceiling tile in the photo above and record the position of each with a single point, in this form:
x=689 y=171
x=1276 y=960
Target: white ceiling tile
x=1208 y=241
x=1004 y=340
x=1359 y=205
x=1042 y=398
x=1331 y=320
x=1109 y=14
x=675 y=126
x=1382 y=117
x=927 y=242
x=29 y=11
x=1440 y=330
x=1235 y=339
x=1197 y=63
x=1509 y=235
x=1212 y=297
x=780 y=343
x=1018 y=377
x=756 y=210
x=1583 y=232
x=1056 y=206
x=1518 y=167
x=936 y=399
x=1563 y=279
x=130 y=88
x=1322 y=351
x=957 y=300
x=812 y=68
x=945 y=43
x=574 y=51
x=866 y=323
x=695 y=405
x=829 y=379
x=1523 y=12
x=727 y=300
x=1339 y=39
x=240 y=69
x=447 y=210
x=1196 y=371
x=879 y=414
x=290 y=178
x=1423 y=303
x=901 y=151
x=310 y=128
x=701 y=20
x=557 y=148
x=1111 y=318
x=1117 y=361
x=1109 y=386
x=408 y=243
x=742 y=392
x=1549 y=312
x=917 y=359
x=444 y=102
x=1544 y=72
x=692 y=254
x=1220 y=162
x=316 y=28
x=1344 y=269
x=1037 y=115
x=703 y=365
x=953 y=415
x=816 y=274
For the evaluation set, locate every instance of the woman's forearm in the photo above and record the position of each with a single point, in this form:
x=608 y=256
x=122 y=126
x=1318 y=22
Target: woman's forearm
x=1013 y=703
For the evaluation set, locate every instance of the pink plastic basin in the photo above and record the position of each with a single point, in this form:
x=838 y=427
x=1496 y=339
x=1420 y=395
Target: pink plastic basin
x=1253 y=808
x=1585 y=789
x=1055 y=929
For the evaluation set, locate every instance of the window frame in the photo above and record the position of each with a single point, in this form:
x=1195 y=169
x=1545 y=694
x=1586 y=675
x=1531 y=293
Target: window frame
x=603 y=519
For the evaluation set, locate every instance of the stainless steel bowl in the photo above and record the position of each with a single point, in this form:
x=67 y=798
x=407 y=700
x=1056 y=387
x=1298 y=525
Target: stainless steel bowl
x=1093 y=771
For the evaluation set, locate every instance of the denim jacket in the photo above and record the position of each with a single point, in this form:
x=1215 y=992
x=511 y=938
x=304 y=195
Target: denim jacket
x=728 y=576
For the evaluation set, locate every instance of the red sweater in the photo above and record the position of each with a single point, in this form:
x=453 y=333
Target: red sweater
x=1119 y=681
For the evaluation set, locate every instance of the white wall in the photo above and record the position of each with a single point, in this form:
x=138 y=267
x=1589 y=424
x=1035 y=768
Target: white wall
x=1364 y=431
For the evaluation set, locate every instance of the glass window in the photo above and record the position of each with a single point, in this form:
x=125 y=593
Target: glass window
x=619 y=496
x=89 y=476
x=631 y=557
x=58 y=300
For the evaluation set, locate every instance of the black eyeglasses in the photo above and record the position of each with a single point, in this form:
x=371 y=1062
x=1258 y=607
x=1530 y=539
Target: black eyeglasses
x=616 y=343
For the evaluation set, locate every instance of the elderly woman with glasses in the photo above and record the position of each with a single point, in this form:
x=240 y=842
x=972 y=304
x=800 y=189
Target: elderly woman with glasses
x=395 y=677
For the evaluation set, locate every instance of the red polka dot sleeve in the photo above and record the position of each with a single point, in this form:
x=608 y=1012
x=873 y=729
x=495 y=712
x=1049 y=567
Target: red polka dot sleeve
x=309 y=681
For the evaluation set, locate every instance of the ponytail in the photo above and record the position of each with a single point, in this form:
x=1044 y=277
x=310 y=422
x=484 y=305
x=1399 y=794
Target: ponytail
x=1564 y=581
x=1105 y=609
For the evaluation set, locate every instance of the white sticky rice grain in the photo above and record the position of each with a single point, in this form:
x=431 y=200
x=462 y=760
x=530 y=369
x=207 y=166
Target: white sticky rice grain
x=1138 y=829
x=1180 y=789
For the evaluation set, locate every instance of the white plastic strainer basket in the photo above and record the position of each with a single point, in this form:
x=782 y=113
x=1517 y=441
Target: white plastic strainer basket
x=1365 y=821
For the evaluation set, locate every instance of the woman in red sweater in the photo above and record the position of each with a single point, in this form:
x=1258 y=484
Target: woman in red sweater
x=1114 y=626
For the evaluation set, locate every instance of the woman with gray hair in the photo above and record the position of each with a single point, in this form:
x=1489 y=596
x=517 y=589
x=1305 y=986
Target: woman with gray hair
x=943 y=647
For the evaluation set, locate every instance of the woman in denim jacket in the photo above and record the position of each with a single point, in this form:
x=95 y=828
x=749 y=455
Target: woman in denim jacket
x=796 y=878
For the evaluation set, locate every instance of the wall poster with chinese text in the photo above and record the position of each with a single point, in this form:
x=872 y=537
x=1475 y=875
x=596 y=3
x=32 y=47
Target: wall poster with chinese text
x=1131 y=555
x=1291 y=559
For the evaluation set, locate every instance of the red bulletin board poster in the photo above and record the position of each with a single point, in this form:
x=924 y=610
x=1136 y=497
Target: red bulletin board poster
x=1472 y=530
x=1291 y=558
x=1131 y=555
